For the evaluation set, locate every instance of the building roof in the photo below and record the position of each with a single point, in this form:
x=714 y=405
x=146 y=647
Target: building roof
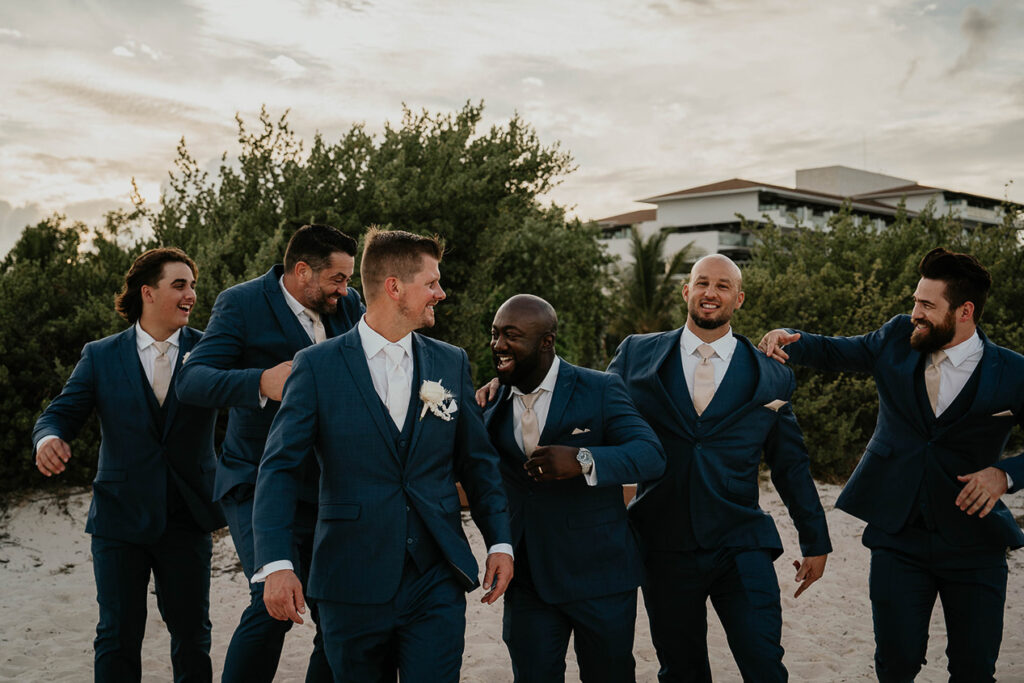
x=641 y=216
x=735 y=185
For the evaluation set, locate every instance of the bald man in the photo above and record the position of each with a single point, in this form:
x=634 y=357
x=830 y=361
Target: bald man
x=717 y=405
x=568 y=438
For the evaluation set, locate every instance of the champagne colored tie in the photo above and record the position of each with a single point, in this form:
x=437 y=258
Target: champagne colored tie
x=399 y=385
x=933 y=377
x=161 y=371
x=531 y=432
x=704 y=379
x=319 y=333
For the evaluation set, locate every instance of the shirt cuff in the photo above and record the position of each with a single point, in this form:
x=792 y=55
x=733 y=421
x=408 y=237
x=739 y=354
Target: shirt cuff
x=501 y=548
x=263 y=399
x=1009 y=479
x=271 y=567
x=591 y=476
x=51 y=437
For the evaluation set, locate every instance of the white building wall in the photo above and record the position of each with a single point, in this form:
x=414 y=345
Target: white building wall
x=712 y=209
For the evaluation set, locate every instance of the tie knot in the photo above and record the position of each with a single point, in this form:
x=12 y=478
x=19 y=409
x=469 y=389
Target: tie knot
x=312 y=315
x=938 y=357
x=161 y=347
x=530 y=399
x=395 y=353
x=706 y=351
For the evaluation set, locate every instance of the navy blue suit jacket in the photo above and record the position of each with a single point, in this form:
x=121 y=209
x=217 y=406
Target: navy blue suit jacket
x=330 y=405
x=905 y=454
x=581 y=545
x=708 y=497
x=251 y=329
x=139 y=451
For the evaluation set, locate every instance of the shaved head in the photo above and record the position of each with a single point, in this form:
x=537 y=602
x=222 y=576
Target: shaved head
x=722 y=260
x=532 y=310
x=523 y=341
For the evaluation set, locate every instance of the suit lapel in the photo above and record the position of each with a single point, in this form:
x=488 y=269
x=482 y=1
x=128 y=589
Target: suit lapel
x=663 y=348
x=185 y=343
x=423 y=357
x=290 y=324
x=351 y=349
x=128 y=350
x=564 y=385
x=990 y=371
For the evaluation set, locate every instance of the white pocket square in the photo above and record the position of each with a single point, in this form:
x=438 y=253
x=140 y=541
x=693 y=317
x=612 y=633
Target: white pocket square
x=1005 y=413
x=776 y=404
x=579 y=431
x=453 y=406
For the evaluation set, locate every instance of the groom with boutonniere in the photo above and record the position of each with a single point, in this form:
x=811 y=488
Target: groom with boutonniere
x=391 y=417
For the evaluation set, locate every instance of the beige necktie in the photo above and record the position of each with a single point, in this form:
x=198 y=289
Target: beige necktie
x=531 y=432
x=933 y=377
x=161 y=371
x=399 y=385
x=319 y=333
x=704 y=379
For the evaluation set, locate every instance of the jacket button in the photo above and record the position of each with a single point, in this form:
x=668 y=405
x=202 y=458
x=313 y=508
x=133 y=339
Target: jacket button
x=409 y=541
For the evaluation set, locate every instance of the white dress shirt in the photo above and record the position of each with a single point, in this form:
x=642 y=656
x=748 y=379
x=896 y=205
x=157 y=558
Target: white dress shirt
x=300 y=312
x=961 y=361
x=376 y=359
x=147 y=354
x=541 y=406
x=724 y=347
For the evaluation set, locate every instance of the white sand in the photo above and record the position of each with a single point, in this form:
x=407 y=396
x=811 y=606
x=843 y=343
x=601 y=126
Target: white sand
x=47 y=598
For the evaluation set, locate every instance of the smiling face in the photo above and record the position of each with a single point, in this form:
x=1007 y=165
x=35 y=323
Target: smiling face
x=167 y=305
x=713 y=292
x=933 y=317
x=321 y=289
x=418 y=295
x=522 y=344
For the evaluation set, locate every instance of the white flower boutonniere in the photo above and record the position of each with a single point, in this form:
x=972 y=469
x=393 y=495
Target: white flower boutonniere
x=437 y=400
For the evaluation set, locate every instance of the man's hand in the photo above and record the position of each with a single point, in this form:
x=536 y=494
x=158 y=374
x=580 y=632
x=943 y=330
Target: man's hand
x=808 y=572
x=771 y=344
x=272 y=380
x=981 y=491
x=553 y=462
x=282 y=594
x=496 y=576
x=487 y=392
x=51 y=456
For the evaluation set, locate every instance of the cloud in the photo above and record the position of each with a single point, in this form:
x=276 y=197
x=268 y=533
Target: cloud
x=979 y=28
x=14 y=219
x=10 y=33
x=122 y=51
x=287 y=67
x=533 y=82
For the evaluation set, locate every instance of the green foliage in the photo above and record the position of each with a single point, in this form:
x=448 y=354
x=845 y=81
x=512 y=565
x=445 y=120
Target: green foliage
x=648 y=291
x=851 y=278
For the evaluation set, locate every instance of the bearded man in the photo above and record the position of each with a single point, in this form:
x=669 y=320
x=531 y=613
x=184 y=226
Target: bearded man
x=929 y=482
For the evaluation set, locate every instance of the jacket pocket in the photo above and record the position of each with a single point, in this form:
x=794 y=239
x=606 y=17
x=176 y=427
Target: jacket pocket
x=741 y=488
x=879 y=448
x=451 y=503
x=342 y=511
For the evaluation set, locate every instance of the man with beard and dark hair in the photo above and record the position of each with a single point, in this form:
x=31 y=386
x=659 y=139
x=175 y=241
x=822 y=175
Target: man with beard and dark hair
x=569 y=438
x=929 y=482
x=717 y=406
x=242 y=362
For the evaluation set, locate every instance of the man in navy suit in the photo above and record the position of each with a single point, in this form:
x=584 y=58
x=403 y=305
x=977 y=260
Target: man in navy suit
x=568 y=438
x=390 y=416
x=929 y=482
x=152 y=509
x=255 y=330
x=717 y=405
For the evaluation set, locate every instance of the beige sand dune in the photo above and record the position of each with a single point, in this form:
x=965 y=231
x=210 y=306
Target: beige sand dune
x=47 y=598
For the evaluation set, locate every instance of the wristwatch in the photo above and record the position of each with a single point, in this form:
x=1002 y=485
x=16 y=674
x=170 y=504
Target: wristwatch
x=586 y=460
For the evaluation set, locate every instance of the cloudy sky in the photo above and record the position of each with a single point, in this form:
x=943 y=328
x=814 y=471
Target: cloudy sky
x=649 y=96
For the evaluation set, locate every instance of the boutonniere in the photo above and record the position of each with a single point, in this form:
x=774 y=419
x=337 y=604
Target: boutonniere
x=437 y=400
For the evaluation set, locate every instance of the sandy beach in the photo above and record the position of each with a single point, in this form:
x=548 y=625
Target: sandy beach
x=48 y=600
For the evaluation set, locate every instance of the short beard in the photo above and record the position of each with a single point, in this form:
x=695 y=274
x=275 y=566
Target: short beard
x=318 y=302
x=936 y=336
x=710 y=323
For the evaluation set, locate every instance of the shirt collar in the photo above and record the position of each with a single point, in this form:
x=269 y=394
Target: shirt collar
x=965 y=350
x=547 y=384
x=724 y=346
x=373 y=341
x=143 y=339
x=293 y=303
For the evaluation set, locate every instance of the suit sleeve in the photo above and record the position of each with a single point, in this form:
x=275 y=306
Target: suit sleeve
x=786 y=455
x=292 y=438
x=68 y=412
x=1014 y=465
x=842 y=354
x=634 y=453
x=209 y=377
x=476 y=467
x=618 y=364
